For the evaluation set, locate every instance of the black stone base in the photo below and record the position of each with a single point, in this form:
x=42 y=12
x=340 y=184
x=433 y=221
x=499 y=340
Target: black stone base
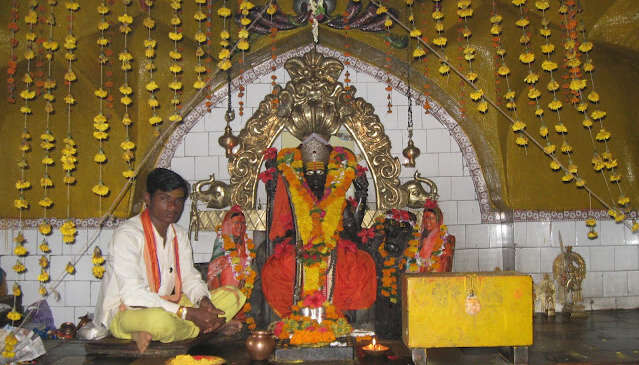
x=285 y=353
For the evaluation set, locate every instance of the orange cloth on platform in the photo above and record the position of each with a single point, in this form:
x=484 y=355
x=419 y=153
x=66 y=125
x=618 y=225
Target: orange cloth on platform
x=355 y=285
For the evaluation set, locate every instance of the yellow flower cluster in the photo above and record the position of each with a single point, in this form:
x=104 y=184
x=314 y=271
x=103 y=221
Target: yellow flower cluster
x=98 y=262
x=19 y=267
x=68 y=231
x=14 y=315
x=10 y=341
x=44 y=276
x=16 y=290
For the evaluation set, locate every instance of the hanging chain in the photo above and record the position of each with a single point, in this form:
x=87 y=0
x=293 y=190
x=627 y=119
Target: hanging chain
x=230 y=113
x=410 y=102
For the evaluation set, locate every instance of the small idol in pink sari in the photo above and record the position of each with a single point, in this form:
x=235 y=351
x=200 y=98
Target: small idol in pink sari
x=436 y=247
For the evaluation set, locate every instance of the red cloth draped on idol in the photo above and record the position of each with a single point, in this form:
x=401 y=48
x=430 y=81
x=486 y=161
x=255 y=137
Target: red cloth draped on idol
x=231 y=264
x=313 y=266
x=437 y=246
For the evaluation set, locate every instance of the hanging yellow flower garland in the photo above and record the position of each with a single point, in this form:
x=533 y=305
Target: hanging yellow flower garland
x=201 y=38
x=127 y=146
x=149 y=66
x=100 y=122
x=175 y=85
x=224 y=56
x=69 y=152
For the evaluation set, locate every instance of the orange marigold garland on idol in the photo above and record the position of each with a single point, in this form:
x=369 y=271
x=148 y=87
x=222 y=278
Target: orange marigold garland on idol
x=314 y=218
x=317 y=217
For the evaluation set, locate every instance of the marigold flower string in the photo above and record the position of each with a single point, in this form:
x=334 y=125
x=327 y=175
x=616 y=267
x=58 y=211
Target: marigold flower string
x=585 y=47
x=243 y=45
x=503 y=70
x=224 y=56
x=175 y=84
x=555 y=162
x=12 y=63
x=69 y=152
x=100 y=122
x=209 y=55
x=602 y=161
x=126 y=58
x=271 y=10
x=201 y=39
x=47 y=139
x=440 y=39
x=149 y=66
x=555 y=105
x=22 y=184
x=381 y=9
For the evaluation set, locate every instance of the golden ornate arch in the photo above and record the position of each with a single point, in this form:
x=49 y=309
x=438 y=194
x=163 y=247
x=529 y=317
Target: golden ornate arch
x=314 y=101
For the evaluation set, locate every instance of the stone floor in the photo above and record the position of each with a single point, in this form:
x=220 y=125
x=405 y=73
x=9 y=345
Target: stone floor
x=603 y=337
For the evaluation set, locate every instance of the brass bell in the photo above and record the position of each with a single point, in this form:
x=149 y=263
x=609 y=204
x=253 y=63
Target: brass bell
x=228 y=141
x=411 y=153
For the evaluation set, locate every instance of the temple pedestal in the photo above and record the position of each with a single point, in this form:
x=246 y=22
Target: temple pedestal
x=285 y=353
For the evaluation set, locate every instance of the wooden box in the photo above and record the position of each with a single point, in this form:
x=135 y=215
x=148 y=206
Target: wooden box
x=467 y=309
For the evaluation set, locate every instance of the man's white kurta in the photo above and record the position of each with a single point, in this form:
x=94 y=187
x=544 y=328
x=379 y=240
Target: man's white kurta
x=125 y=281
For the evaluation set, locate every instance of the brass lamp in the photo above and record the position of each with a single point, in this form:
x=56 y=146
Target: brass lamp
x=228 y=141
x=410 y=152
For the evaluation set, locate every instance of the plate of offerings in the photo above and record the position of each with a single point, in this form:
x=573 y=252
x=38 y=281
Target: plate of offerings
x=196 y=360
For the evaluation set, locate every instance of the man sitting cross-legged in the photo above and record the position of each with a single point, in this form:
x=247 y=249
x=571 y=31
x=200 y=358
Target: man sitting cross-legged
x=151 y=291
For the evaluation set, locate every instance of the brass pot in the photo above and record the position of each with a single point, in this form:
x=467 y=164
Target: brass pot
x=260 y=345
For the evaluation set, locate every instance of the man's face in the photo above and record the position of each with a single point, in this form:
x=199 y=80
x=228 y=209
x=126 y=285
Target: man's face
x=238 y=226
x=429 y=221
x=165 y=206
x=316 y=180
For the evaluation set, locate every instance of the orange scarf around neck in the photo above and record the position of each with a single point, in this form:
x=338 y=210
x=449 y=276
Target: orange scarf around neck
x=151 y=260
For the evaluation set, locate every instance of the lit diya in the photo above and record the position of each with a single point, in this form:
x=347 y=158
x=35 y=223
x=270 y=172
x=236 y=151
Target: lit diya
x=375 y=349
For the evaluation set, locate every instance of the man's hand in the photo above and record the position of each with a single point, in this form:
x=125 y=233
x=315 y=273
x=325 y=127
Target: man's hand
x=206 y=317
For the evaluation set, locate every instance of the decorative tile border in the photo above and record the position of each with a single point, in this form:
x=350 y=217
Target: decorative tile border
x=13 y=223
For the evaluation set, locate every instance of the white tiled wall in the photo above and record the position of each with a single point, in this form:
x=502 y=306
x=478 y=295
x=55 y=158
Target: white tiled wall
x=77 y=292
x=612 y=259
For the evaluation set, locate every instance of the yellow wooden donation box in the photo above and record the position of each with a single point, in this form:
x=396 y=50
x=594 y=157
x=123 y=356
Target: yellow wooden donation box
x=467 y=309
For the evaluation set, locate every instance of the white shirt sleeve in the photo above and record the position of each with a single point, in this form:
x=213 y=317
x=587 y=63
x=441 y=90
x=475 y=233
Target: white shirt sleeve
x=129 y=269
x=192 y=284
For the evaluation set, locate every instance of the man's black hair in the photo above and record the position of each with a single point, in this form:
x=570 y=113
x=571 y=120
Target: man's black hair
x=165 y=180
